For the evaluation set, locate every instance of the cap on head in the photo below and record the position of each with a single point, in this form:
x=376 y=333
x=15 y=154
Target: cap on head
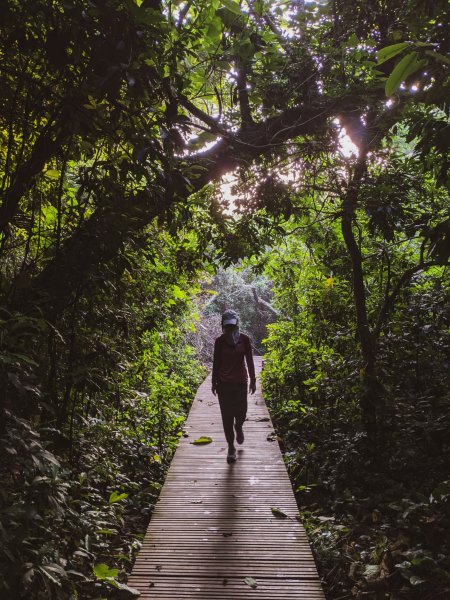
x=230 y=317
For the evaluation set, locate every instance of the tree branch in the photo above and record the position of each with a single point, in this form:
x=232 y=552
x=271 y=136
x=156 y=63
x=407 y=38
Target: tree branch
x=389 y=300
x=98 y=239
x=202 y=116
x=244 y=103
x=260 y=302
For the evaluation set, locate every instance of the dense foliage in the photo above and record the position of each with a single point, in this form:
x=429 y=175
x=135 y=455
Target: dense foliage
x=118 y=380
x=382 y=527
x=118 y=120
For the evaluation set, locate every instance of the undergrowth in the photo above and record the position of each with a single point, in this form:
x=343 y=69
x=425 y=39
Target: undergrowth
x=376 y=531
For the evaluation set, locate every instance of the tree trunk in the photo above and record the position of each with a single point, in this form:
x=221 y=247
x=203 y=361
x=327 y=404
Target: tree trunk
x=370 y=400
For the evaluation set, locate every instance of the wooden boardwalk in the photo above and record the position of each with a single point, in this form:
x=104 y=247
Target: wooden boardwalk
x=213 y=534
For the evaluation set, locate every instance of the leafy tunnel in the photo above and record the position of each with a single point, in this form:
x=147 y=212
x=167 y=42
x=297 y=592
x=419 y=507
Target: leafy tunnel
x=164 y=160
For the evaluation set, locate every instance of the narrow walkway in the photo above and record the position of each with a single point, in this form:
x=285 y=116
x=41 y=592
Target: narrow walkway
x=213 y=534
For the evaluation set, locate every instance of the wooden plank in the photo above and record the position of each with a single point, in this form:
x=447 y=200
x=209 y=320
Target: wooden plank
x=228 y=588
x=213 y=525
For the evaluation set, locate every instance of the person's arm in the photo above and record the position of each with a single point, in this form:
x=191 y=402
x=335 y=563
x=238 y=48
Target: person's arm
x=250 y=365
x=215 y=370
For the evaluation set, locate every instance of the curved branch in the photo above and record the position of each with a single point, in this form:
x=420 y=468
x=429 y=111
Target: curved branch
x=260 y=302
x=390 y=299
x=202 y=116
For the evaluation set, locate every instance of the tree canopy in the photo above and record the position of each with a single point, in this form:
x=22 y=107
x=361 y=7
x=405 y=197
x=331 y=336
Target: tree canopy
x=148 y=144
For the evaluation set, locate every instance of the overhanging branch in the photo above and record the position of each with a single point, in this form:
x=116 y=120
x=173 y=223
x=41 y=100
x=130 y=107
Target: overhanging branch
x=390 y=299
x=99 y=239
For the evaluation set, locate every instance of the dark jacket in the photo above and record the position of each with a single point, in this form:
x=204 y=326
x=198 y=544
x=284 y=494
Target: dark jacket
x=228 y=361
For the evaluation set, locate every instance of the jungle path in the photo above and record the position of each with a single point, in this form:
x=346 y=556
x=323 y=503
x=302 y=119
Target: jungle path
x=213 y=533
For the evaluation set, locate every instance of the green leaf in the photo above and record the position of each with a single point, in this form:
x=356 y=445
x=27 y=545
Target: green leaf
x=437 y=56
x=406 y=67
x=52 y=174
x=259 y=7
x=102 y=571
x=49 y=213
x=106 y=531
x=279 y=514
x=178 y=292
x=251 y=582
x=204 y=439
x=214 y=30
x=115 y=497
x=390 y=51
x=232 y=6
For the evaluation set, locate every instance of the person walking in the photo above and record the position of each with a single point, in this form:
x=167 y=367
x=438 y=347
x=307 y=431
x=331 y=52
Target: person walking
x=229 y=379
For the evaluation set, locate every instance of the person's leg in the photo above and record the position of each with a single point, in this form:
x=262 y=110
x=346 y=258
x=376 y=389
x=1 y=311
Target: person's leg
x=225 y=394
x=240 y=412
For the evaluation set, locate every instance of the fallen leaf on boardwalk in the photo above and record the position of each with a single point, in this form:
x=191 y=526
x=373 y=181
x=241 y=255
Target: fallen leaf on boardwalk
x=272 y=436
x=263 y=419
x=204 y=439
x=227 y=533
x=279 y=514
x=196 y=501
x=224 y=581
x=251 y=582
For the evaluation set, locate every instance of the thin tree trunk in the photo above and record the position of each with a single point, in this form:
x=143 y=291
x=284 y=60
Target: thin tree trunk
x=370 y=400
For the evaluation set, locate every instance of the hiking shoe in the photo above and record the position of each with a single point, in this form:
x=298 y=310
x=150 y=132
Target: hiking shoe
x=231 y=456
x=239 y=434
